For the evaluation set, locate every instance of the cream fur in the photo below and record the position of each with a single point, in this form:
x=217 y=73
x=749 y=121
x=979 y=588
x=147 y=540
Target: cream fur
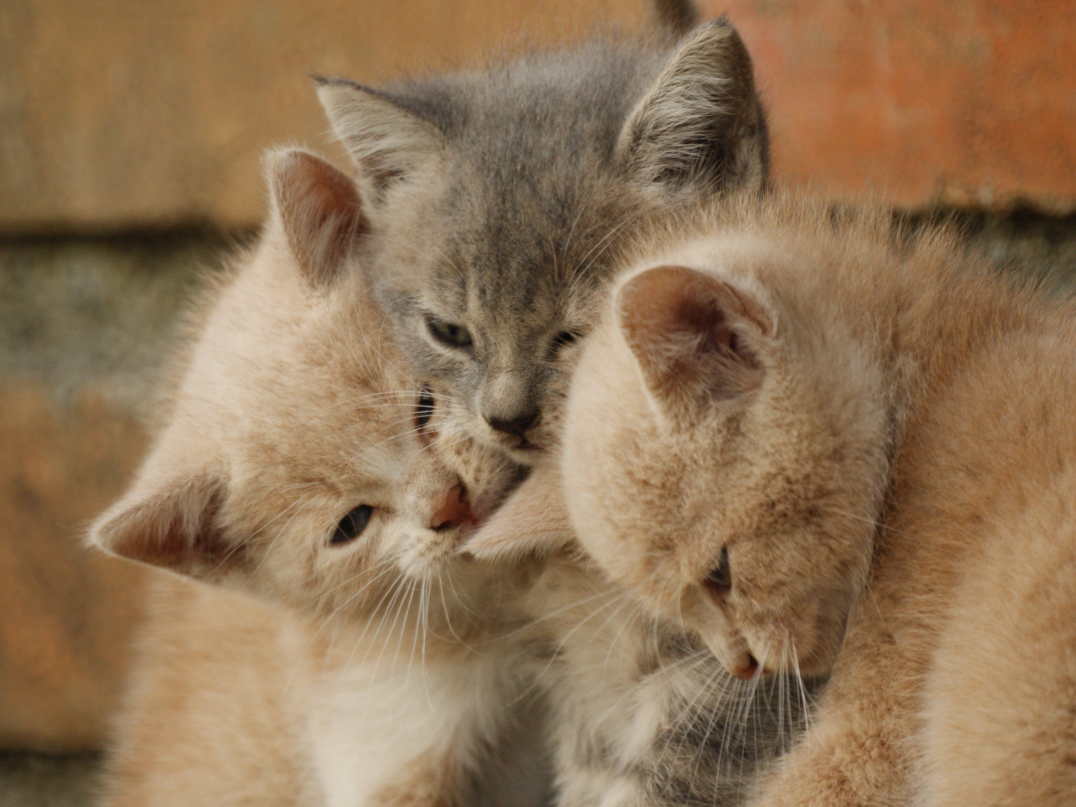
x=366 y=672
x=895 y=493
x=642 y=713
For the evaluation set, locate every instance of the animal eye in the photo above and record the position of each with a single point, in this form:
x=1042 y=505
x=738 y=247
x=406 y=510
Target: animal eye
x=352 y=525
x=719 y=580
x=448 y=334
x=564 y=338
x=424 y=412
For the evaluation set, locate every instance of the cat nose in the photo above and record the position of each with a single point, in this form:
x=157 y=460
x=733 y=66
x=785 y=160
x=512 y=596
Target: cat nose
x=745 y=667
x=515 y=425
x=453 y=511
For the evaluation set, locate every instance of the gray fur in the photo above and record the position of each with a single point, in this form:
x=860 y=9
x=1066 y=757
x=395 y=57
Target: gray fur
x=677 y=17
x=497 y=199
x=644 y=715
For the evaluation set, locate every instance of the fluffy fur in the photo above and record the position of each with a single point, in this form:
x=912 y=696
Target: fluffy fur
x=498 y=197
x=374 y=679
x=832 y=446
x=642 y=713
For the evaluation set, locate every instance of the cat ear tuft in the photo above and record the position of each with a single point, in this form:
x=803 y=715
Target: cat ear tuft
x=388 y=140
x=319 y=208
x=174 y=525
x=695 y=338
x=701 y=122
x=534 y=521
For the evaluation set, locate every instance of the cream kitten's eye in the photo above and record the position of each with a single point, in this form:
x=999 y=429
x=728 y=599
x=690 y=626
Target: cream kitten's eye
x=719 y=580
x=424 y=412
x=352 y=525
x=449 y=334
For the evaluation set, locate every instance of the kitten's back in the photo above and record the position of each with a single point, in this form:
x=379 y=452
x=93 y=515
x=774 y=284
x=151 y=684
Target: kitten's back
x=207 y=712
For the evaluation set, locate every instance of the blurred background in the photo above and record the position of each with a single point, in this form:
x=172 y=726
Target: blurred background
x=130 y=139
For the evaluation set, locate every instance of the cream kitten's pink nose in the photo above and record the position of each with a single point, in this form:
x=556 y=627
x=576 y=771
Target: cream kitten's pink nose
x=454 y=511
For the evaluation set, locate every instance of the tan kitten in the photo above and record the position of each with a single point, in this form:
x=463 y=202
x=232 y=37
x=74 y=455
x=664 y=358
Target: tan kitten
x=828 y=448
x=302 y=464
x=642 y=714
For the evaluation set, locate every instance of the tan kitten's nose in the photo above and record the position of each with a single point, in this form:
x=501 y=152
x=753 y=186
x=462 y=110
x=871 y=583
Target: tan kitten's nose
x=454 y=511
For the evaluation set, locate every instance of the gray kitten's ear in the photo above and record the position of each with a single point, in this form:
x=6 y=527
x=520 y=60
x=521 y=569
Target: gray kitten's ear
x=319 y=210
x=675 y=17
x=701 y=122
x=695 y=338
x=534 y=521
x=388 y=141
x=173 y=524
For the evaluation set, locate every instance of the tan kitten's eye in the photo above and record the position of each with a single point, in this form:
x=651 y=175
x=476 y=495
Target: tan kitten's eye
x=352 y=525
x=719 y=580
x=424 y=410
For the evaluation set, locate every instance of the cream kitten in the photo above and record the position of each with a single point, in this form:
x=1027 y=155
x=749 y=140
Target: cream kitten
x=827 y=448
x=302 y=464
x=642 y=713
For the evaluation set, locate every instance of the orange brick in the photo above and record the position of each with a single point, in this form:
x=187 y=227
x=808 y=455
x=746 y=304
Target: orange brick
x=963 y=101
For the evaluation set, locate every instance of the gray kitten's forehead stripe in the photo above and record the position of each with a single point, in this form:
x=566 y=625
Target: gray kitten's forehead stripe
x=504 y=194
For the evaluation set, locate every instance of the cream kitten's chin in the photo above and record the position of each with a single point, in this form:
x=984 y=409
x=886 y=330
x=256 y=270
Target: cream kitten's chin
x=704 y=474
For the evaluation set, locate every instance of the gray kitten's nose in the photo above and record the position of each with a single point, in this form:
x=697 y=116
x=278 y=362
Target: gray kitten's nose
x=516 y=425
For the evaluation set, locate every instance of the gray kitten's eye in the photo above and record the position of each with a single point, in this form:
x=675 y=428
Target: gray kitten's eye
x=448 y=334
x=563 y=339
x=719 y=580
x=424 y=410
x=352 y=525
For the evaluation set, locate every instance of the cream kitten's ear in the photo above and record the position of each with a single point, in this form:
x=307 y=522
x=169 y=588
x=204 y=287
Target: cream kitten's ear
x=387 y=139
x=319 y=209
x=701 y=121
x=695 y=338
x=534 y=521
x=174 y=525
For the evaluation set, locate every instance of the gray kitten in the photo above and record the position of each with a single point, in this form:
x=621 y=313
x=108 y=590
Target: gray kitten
x=497 y=199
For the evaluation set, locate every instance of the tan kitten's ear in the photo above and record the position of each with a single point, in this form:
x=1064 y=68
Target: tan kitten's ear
x=695 y=338
x=701 y=122
x=174 y=525
x=319 y=209
x=388 y=139
x=534 y=521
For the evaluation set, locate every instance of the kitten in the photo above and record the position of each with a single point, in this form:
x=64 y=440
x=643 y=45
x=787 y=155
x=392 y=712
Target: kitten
x=302 y=464
x=828 y=448
x=642 y=712
x=498 y=198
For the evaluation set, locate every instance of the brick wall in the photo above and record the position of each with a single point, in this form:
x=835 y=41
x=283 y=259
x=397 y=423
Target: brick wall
x=965 y=102
x=131 y=137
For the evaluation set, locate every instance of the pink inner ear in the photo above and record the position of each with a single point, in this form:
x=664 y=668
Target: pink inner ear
x=691 y=334
x=176 y=529
x=321 y=212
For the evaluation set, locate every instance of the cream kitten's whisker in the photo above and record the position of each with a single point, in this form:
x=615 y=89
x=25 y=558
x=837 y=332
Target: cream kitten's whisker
x=804 y=699
x=687 y=714
x=380 y=608
x=560 y=646
x=620 y=634
x=282 y=530
x=693 y=662
x=552 y=614
x=416 y=633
